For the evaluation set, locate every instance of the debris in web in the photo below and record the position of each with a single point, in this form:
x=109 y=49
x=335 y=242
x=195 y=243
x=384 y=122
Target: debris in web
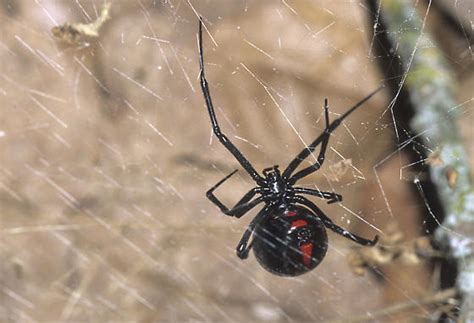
x=82 y=34
x=392 y=248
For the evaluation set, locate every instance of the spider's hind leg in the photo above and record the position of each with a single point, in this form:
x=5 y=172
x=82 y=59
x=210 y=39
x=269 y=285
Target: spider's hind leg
x=334 y=227
x=244 y=247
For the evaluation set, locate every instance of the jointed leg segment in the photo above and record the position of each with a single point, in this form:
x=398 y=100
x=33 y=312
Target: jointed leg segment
x=323 y=139
x=242 y=206
x=215 y=126
x=243 y=248
x=334 y=227
x=331 y=196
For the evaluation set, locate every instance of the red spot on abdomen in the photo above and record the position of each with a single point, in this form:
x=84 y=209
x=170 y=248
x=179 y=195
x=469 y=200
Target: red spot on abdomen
x=307 y=248
x=291 y=213
x=307 y=251
x=298 y=223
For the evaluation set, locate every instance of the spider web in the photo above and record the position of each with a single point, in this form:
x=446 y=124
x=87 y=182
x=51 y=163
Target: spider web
x=107 y=151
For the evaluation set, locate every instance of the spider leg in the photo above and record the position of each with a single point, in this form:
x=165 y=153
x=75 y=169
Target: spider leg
x=334 y=227
x=215 y=126
x=323 y=139
x=243 y=248
x=241 y=206
x=331 y=196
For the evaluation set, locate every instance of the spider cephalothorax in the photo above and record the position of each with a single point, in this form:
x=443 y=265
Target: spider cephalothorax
x=289 y=235
x=275 y=187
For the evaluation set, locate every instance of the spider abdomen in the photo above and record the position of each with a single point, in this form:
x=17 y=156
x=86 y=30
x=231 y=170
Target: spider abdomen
x=290 y=241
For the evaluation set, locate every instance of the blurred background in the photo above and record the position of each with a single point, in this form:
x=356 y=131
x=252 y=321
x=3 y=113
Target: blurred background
x=106 y=154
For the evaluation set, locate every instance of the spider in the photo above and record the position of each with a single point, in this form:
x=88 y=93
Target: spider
x=289 y=232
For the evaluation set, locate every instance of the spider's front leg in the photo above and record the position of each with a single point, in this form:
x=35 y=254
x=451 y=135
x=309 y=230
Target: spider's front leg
x=330 y=196
x=334 y=227
x=225 y=141
x=241 y=207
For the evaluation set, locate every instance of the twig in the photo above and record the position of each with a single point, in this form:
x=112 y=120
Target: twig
x=430 y=86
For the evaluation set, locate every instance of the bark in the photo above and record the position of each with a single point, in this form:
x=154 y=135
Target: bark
x=431 y=87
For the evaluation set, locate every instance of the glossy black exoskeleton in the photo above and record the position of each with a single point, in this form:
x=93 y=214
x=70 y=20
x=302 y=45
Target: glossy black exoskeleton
x=290 y=242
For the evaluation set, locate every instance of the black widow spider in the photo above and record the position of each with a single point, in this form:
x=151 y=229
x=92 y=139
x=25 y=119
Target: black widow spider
x=289 y=235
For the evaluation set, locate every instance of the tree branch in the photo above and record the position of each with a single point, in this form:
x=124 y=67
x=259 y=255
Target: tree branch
x=430 y=86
